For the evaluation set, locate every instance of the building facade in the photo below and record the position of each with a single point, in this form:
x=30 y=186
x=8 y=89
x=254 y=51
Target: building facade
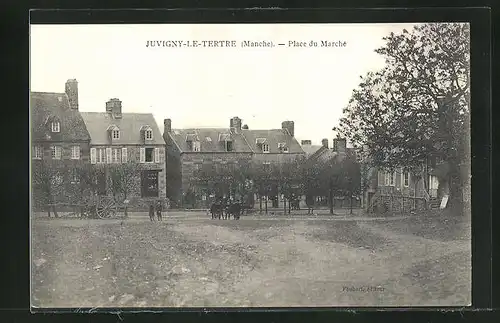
x=205 y=150
x=191 y=152
x=60 y=146
x=130 y=149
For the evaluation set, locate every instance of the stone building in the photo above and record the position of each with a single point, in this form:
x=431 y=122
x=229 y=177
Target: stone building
x=237 y=147
x=60 y=145
x=131 y=145
x=273 y=147
x=190 y=151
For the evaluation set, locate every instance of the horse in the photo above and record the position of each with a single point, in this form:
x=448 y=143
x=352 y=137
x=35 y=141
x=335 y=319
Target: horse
x=216 y=210
x=234 y=209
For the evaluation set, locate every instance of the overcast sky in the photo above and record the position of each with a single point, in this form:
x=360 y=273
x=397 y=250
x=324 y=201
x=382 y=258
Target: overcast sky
x=205 y=87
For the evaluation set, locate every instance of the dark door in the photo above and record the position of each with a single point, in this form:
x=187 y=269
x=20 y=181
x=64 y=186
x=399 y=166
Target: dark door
x=149 y=185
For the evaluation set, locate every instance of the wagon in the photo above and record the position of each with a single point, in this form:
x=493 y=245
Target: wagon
x=94 y=206
x=102 y=207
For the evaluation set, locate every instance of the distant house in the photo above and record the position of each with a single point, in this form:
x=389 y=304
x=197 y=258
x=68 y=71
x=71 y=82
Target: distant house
x=334 y=156
x=132 y=140
x=59 y=142
x=190 y=151
x=273 y=146
x=399 y=188
x=309 y=149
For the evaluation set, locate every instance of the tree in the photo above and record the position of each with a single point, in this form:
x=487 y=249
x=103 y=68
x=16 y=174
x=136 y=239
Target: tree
x=47 y=184
x=418 y=105
x=123 y=179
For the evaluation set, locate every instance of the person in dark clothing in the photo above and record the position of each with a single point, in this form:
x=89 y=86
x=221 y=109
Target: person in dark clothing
x=310 y=204
x=151 y=212
x=158 y=210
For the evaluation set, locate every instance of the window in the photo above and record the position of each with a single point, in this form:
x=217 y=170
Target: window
x=124 y=155
x=37 y=152
x=149 y=134
x=149 y=183
x=75 y=152
x=75 y=177
x=229 y=145
x=101 y=155
x=282 y=147
x=406 y=179
x=390 y=179
x=116 y=155
x=56 y=127
x=56 y=152
x=209 y=139
x=115 y=134
x=266 y=166
x=265 y=148
x=149 y=155
x=196 y=145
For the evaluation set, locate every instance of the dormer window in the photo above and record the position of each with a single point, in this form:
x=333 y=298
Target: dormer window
x=262 y=144
x=56 y=126
x=147 y=132
x=193 y=142
x=196 y=146
x=282 y=147
x=114 y=132
x=229 y=145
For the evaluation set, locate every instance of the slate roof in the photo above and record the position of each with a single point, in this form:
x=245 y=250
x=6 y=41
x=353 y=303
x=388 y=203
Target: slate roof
x=209 y=139
x=311 y=149
x=130 y=126
x=46 y=106
x=272 y=138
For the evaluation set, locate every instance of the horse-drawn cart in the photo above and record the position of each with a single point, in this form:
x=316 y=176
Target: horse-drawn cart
x=94 y=207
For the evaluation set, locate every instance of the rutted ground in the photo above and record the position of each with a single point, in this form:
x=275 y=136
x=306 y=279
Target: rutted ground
x=207 y=263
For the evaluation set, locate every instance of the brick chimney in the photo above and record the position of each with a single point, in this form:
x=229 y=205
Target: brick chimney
x=288 y=125
x=324 y=143
x=114 y=107
x=235 y=124
x=306 y=142
x=71 y=90
x=340 y=145
x=167 y=126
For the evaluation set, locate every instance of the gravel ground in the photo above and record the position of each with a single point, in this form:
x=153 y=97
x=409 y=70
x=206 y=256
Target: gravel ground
x=250 y=262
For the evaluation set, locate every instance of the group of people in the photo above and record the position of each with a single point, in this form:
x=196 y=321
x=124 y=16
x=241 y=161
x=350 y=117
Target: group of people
x=156 y=208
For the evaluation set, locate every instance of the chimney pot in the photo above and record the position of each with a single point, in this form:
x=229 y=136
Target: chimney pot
x=324 y=143
x=235 y=124
x=167 y=126
x=340 y=145
x=114 y=107
x=71 y=90
x=289 y=126
x=305 y=142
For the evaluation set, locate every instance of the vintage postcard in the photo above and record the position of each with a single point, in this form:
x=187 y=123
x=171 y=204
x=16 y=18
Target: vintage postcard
x=250 y=165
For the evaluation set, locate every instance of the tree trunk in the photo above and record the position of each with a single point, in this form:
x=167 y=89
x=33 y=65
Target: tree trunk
x=260 y=204
x=267 y=198
x=455 y=201
x=350 y=206
x=330 y=197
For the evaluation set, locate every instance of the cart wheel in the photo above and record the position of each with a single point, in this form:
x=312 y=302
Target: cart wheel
x=105 y=207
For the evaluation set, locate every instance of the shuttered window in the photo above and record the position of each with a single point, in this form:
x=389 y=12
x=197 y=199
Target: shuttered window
x=124 y=155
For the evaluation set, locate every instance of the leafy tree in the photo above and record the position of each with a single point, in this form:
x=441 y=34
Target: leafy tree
x=418 y=105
